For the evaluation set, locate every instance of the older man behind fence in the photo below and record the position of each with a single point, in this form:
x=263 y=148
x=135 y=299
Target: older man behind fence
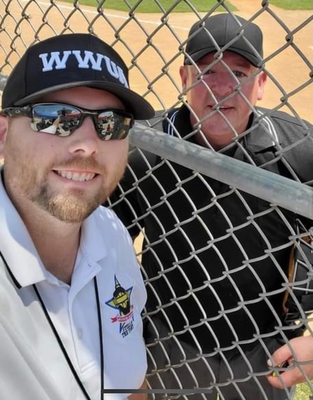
x=215 y=258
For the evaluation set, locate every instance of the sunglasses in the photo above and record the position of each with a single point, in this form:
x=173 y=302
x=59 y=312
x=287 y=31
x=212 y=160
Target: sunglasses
x=62 y=119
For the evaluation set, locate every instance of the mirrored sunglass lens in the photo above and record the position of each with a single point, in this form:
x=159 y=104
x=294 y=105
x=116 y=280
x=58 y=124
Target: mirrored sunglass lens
x=112 y=125
x=57 y=119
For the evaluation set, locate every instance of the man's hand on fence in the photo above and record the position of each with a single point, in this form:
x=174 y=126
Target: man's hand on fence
x=298 y=356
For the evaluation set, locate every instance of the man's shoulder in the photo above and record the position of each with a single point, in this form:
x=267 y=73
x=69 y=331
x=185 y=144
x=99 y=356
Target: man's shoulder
x=282 y=118
x=294 y=140
x=287 y=129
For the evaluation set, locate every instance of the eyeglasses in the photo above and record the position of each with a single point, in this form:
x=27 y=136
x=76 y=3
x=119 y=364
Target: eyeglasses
x=62 y=119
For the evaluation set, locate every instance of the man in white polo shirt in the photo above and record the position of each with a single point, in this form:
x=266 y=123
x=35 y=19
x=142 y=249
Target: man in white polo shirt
x=71 y=290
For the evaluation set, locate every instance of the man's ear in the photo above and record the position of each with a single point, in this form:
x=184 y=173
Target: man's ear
x=183 y=76
x=262 y=78
x=4 y=121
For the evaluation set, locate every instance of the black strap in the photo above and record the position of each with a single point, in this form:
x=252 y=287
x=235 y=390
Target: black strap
x=68 y=360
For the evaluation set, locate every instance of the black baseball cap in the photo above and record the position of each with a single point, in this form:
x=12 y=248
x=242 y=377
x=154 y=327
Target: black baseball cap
x=233 y=32
x=67 y=61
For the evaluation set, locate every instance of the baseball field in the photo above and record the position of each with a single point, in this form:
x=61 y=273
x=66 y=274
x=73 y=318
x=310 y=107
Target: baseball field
x=150 y=44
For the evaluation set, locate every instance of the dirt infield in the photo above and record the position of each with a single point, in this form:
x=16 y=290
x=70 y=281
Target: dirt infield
x=157 y=62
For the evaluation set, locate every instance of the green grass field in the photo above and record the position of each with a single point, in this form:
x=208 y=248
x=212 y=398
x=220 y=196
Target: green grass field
x=162 y=6
x=151 y=6
x=293 y=4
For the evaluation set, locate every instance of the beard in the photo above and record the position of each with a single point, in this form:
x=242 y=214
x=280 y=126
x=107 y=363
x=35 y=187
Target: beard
x=28 y=182
x=71 y=206
x=74 y=205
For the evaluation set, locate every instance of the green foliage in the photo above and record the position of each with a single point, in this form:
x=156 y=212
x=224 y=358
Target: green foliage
x=158 y=6
x=303 y=392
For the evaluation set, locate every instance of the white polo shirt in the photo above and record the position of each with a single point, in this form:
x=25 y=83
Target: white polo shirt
x=32 y=364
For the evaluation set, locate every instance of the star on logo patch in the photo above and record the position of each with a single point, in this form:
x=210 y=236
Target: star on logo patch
x=121 y=302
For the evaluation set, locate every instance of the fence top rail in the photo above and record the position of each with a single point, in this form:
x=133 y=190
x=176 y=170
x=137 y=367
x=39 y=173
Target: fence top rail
x=266 y=185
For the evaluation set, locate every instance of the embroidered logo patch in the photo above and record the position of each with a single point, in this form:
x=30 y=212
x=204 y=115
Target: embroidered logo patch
x=121 y=302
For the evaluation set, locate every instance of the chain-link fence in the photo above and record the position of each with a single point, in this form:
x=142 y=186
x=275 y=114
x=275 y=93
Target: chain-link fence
x=216 y=232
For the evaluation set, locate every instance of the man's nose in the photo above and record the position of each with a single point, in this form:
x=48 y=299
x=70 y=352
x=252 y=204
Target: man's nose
x=223 y=84
x=85 y=139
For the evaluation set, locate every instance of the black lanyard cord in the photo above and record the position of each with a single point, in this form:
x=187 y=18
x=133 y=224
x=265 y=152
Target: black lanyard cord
x=100 y=338
x=69 y=362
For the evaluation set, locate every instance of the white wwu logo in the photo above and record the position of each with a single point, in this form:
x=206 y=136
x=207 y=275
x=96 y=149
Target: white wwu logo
x=85 y=60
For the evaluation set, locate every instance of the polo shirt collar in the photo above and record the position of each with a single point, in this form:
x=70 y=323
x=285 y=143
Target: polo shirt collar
x=92 y=240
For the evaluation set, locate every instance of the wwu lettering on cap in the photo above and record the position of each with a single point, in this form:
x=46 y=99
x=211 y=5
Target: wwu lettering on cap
x=89 y=60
